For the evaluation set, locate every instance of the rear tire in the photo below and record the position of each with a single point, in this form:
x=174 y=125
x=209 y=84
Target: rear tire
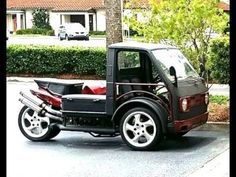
x=140 y=129
x=35 y=127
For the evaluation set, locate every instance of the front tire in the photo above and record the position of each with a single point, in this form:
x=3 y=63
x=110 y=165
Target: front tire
x=140 y=129
x=35 y=127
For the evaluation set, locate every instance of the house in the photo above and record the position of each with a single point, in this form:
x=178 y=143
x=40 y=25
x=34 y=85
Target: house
x=90 y=13
x=224 y=5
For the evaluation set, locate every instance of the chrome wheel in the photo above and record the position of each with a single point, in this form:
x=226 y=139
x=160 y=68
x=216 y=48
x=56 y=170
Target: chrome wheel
x=33 y=126
x=140 y=129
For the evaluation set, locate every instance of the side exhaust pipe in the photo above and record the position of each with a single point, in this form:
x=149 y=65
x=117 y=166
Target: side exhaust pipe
x=40 y=107
x=41 y=104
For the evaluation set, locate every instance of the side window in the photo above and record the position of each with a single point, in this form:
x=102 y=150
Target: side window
x=128 y=59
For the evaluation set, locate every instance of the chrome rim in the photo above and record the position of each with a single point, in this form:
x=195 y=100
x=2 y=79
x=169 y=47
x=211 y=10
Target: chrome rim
x=139 y=129
x=33 y=124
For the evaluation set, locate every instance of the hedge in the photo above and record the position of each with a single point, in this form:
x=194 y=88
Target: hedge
x=219 y=60
x=39 y=59
x=48 y=32
x=97 y=33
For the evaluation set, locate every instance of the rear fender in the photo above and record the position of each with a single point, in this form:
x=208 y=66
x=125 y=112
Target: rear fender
x=47 y=97
x=156 y=107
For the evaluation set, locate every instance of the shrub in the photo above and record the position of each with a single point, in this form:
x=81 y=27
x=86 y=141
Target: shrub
x=218 y=61
x=219 y=99
x=39 y=59
x=35 y=31
x=97 y=33
x=41 y=19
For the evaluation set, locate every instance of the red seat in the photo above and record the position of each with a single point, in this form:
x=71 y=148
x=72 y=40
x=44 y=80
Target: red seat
x=96 y=90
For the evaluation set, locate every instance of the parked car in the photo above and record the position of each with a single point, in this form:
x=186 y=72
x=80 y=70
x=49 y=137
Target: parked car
x=73 y=31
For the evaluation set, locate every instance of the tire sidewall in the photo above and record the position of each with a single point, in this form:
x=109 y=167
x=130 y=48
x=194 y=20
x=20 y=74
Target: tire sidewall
x=158 y=135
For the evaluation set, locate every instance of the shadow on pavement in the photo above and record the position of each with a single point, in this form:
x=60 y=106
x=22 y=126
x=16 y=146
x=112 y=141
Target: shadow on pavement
x=185 y=143
x=88 y=142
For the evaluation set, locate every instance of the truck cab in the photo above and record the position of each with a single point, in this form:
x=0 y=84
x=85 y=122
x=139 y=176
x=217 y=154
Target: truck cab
x=150 y=89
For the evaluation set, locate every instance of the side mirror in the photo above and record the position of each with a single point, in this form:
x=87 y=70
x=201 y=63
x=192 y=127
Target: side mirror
x=173 y=73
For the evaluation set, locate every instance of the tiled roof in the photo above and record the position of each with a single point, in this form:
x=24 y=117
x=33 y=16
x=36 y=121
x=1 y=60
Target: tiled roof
x=56 y=5
x=77 y=5
x=224 y=6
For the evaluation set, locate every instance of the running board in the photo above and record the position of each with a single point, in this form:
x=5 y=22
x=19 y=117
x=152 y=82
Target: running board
x=89 y=129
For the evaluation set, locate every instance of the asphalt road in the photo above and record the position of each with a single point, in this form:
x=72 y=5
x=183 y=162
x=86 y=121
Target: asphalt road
x=77 y=154
x=53 y=40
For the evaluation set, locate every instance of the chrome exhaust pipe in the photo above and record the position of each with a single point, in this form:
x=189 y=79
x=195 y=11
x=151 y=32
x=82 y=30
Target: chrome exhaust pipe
x=30 y=105
x=41 y=104
x=53 y=117
x=37 y=102
x=39 y=109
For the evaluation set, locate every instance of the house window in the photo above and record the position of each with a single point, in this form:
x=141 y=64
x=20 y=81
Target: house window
x=90 y=22
x=78 y=19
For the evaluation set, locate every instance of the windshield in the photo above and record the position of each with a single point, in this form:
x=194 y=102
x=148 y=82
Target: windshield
x=173 y=57
x=75 y=26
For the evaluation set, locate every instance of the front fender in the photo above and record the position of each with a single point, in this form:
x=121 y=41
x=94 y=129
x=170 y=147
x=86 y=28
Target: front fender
x=154 y=106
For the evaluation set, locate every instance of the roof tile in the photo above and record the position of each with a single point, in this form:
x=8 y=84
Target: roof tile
x=56 y=5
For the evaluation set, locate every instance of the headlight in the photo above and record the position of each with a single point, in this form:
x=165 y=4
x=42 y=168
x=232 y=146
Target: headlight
x=184 y=104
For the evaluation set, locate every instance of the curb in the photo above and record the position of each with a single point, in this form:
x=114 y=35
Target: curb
x=215 y=126
x=218 y=167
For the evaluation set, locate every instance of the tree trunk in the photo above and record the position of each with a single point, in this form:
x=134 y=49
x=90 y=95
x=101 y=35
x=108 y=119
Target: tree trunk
x=202 y=61
x=113 y=21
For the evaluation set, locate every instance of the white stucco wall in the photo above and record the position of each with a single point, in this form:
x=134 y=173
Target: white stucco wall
x=29 y=18
x=101 y=20
x=9 y=22
x=54 y=20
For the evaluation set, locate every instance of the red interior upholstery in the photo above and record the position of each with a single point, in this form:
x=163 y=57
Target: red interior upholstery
x=96 y=90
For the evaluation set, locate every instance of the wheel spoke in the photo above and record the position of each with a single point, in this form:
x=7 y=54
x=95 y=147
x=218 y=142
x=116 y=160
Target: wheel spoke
x=148 y=123
x=30 y=128
x=44 y=119
x=40 y=128
x=137 y=118
x=147 y=135
x=129 y=127
x=28 y=117
x=136 y=138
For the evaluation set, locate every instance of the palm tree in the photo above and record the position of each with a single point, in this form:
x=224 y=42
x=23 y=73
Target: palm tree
x=113 y=21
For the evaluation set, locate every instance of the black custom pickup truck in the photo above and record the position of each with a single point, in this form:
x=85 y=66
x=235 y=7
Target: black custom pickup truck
x=151 y=91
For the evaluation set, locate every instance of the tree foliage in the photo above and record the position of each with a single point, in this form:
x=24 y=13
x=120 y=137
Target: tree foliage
x=182 y=23
x=41 y=19
x=219 y=60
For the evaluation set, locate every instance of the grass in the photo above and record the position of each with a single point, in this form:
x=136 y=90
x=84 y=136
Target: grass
x=218 y=108
x=219 y=99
